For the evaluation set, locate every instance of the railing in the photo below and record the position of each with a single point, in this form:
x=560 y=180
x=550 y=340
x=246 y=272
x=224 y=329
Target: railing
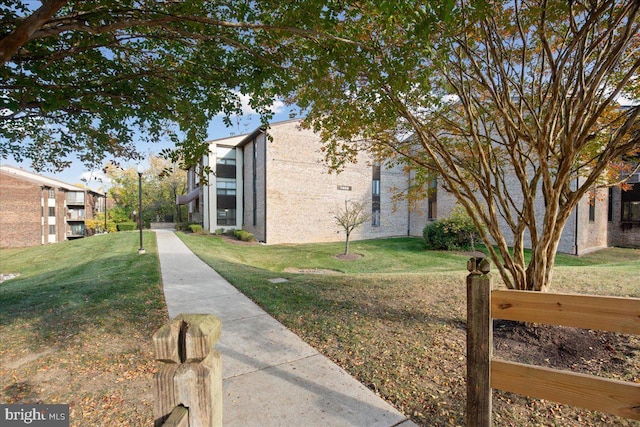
x=76 y=216
x=485 y=372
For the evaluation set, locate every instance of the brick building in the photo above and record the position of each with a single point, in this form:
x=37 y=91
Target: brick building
x=277 y=187
x=36 y=210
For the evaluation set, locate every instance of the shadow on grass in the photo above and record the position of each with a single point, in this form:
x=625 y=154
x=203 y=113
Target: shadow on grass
x=61 y=303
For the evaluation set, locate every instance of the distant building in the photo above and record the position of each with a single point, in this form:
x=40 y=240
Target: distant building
x=36 y=210
x=274 y=184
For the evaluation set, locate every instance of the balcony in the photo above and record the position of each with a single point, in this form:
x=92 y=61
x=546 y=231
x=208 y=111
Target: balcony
x=75 y=198
x=76 y=215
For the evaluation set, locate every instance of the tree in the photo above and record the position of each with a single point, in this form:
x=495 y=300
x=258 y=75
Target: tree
x=160 y=184
x=511 y=102
x=92 y=78
x=351 y=217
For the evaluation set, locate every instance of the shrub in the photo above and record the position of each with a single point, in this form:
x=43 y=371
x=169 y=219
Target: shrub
x=245 y=236
x=452 y=233
x=219 y=231
x=195 y=228
x=126 y=226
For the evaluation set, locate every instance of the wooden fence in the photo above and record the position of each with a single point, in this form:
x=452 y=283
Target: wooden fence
x=188 y=386
x=485 y=372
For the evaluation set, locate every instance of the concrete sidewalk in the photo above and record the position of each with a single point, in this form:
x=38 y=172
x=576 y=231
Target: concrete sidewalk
x=270 y=376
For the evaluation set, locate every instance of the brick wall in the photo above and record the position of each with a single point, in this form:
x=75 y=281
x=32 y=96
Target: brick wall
x=20 y=207
x=303 y=196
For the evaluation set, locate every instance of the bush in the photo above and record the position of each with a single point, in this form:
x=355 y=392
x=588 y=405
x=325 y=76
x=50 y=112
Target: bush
x=245 y=236
x=196 y=228
x=437 y=236
x=126 y=226
x=452 y=233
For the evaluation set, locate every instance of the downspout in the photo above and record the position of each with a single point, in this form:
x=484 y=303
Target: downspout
x=575 y=225
x=264 y=139
x=409 y=204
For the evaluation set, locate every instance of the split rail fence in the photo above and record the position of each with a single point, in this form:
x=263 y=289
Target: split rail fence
x=484 y=372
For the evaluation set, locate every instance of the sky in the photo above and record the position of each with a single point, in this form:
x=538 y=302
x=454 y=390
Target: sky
x=249 y=121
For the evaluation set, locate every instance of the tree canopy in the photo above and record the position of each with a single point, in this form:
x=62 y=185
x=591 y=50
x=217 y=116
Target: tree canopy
x=90 y=78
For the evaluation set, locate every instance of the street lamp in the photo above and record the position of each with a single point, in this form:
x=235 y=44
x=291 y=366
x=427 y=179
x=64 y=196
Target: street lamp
x=140 y=170
x=105 y=211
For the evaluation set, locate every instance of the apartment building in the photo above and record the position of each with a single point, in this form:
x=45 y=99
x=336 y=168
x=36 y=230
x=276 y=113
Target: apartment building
x=275 y=184
x=36 y=210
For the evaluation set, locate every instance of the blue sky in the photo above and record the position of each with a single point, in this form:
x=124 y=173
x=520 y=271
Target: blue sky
x=246 y=123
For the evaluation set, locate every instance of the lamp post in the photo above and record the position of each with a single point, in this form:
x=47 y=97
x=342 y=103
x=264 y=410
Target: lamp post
x=139 y=169
x=105 y=211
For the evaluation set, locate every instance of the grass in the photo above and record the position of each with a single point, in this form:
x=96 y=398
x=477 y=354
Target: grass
x=75 y=327
x=395 y=318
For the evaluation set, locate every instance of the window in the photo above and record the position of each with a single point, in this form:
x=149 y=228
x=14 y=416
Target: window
x=77 y=229
x=610 y=205
x=52 y=193
x=52 y=229
x=592 y=210
x=432 y=201
x=631 y=211
x=375 y=218
x=52 y=211
x=226 y=186
x=375 y=196
x=226 y=216
x=375 y=190
x=631 y=204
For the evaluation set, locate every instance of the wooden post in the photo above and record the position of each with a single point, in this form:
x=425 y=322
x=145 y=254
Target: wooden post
x=188 y=385
x=479 y=343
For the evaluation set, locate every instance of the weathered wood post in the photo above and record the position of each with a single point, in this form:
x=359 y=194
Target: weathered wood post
x=479 y=343
x=188 y=386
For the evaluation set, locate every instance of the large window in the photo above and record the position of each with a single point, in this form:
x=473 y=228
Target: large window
x=52 y=211
x=226 y=186
x=631 y=211
x=226 y=216
x=631 y=205
x=77 y=229
x=52 y=229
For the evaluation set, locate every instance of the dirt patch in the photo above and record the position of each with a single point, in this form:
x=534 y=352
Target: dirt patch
x=566 y=348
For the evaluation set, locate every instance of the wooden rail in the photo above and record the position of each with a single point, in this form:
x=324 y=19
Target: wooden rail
x=485 y=372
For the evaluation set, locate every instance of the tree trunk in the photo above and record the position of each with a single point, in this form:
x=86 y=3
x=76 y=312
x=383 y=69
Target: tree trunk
x=12 y=42
x=346 y=245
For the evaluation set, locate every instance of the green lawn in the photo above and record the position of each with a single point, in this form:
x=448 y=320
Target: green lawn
x=395 y=318
x=75 y=327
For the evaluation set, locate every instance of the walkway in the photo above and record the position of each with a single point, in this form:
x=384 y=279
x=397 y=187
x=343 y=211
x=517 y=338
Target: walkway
x=270 y=376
